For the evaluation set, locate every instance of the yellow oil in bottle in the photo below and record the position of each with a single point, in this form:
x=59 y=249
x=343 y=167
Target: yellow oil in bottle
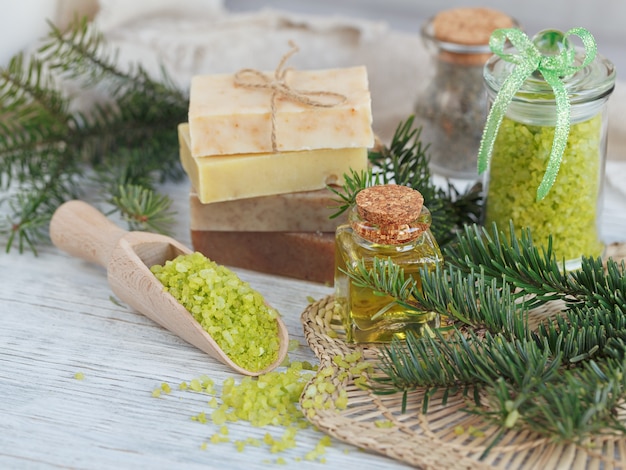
x=370 y=317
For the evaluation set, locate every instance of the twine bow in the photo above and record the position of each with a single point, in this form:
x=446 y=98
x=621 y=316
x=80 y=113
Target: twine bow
x=252 y=78
x=553 y=67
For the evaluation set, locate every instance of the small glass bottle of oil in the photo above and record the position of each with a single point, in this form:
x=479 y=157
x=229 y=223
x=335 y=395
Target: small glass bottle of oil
x=387 y=222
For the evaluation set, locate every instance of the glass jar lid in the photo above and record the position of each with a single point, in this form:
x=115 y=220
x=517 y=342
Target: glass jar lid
x=590 y=83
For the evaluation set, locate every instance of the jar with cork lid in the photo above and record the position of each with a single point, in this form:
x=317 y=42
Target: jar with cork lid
x=388 y=222
x=452 y=108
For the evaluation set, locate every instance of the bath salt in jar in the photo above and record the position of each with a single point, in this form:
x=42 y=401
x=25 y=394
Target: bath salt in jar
x=452 y=108
x=544 y=142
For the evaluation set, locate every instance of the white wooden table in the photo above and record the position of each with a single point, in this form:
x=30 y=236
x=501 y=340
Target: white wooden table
x=57 y=318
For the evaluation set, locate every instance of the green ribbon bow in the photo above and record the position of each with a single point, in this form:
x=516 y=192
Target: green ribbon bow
x=553 y=67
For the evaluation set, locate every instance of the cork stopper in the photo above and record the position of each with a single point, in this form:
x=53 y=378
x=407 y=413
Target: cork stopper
x=468 y=28
x=388 y=214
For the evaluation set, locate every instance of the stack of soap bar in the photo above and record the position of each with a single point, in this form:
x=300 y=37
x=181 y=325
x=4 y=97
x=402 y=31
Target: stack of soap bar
x=229 y=177
x=303 y=211
x=286 y=234
x=265 y=210
x=301 y=255
x=225 y=119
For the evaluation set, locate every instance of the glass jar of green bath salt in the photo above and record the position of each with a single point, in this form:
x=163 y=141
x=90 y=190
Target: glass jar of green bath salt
x=547 y=156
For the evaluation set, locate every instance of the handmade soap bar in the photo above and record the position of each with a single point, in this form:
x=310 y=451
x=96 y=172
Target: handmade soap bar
x=228 y=177
x=307 y=255
x=229 y=119
x=303 y=211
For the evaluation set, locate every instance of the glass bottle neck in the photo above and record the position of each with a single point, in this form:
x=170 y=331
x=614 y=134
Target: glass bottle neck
x=401 y=238
x=384 y=249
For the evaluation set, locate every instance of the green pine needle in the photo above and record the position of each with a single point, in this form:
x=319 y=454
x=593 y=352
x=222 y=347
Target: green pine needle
x=143 y=209
x=563 y=380
x=49 y=154
x=354 y=182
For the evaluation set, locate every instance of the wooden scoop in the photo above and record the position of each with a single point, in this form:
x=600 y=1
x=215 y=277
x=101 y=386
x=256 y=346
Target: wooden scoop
x=82 y=231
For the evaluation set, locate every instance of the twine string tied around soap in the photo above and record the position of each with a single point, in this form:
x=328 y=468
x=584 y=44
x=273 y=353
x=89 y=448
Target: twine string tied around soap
x=253 y=78
x=553 y=68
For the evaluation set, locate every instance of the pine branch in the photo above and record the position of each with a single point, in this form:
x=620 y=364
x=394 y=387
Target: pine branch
x=584 y=333
x=47 y=152
x=460 y=361
x=31 y=211
x=570 y=406
x=386 y=278
x=429 y=363
x=81 y=53
x=405 y=161
x=27 y=96
x=473 y=300
x=143 y=209
x=564 y=380
x=33 y=120
x=536 y=273
x=600 y=284
x=354 y=182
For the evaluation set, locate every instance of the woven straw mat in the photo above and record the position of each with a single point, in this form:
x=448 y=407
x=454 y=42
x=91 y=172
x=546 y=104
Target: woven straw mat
x=433 y=440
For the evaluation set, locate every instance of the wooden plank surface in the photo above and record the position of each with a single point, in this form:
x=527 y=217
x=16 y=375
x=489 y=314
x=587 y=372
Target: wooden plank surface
x=58 y=318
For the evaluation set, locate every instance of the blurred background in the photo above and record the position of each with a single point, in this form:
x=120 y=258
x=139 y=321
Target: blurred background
x=604 y=18
x=24 y=21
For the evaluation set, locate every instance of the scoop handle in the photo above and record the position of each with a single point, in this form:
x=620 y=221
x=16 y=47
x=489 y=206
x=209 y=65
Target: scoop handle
x=83 y=231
